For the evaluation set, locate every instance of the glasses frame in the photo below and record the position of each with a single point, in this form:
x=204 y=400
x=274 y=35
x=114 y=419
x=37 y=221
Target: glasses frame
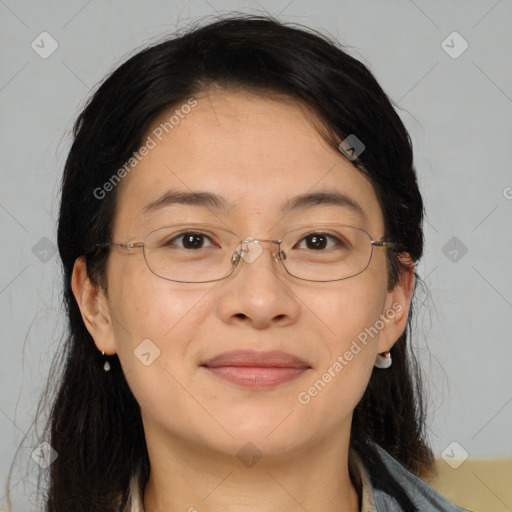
x=279 y=255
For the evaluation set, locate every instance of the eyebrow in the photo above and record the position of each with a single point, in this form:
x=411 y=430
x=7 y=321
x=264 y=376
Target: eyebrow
x=322 y=198
x=204 y=199
x=214 y=201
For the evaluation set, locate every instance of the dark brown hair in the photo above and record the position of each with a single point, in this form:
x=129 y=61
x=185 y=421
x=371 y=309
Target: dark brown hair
x=95 y=422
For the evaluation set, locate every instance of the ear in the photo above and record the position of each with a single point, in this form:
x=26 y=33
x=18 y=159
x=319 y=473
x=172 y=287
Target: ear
x=397 y=307
x=93 y=305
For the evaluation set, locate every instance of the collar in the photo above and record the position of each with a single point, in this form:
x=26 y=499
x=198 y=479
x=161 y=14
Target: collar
x=361 y=480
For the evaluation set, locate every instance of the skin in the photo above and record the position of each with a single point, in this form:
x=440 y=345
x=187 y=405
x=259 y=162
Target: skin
x=257 y=152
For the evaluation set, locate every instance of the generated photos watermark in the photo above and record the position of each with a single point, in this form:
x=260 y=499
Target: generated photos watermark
x=151 y=142
x=304 y=397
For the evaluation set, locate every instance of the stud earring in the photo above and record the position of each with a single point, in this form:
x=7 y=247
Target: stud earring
x=383 y=360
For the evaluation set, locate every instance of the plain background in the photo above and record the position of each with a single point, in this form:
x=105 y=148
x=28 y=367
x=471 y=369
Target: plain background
x=456 y=107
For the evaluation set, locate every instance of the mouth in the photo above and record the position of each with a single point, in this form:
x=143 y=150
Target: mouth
x=256 y=370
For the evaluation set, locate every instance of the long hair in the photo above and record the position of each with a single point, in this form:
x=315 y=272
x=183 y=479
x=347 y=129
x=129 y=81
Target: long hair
x=94 y=422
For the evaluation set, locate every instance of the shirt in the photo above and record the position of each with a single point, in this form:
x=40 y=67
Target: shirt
x=372 y=500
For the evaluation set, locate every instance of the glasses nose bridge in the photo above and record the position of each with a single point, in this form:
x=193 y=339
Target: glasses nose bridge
x=251 y=249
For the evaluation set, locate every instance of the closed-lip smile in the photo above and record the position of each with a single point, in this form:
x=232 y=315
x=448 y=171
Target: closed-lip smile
x=254 y=369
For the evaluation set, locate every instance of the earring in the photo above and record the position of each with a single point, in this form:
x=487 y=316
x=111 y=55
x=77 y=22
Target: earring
x=106 y=366
x=383 y=360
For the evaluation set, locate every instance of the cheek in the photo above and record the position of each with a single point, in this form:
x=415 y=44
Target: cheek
x=350 y=312
x=158 y=322
x=154 y=320
x=349 y=308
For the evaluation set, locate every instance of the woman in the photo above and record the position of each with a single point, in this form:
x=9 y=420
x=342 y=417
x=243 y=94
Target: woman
x=239 y=226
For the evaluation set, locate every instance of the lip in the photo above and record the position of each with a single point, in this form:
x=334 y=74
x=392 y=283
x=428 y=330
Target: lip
x=273 y=358
x=256 y=370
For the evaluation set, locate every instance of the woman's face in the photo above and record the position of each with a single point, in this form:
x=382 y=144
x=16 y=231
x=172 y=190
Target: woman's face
x=258 y=154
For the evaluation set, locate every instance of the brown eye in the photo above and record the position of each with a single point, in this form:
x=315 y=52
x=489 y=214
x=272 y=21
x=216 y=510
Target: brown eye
x=319 y=241
x=189 y=240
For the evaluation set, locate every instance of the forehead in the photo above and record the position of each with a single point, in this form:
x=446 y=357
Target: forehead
x=257 y=152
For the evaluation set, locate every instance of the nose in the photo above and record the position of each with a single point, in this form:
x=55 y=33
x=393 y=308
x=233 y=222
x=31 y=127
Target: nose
x=258 y=293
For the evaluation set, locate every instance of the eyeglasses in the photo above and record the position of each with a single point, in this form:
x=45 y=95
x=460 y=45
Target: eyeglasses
x=202 y=253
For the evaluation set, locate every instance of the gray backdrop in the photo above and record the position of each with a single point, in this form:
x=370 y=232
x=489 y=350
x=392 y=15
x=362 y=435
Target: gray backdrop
x=443 y=62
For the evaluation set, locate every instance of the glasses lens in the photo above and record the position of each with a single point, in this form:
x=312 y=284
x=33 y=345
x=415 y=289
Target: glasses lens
x=191 y=253
x=199 y=253
x=327 y=252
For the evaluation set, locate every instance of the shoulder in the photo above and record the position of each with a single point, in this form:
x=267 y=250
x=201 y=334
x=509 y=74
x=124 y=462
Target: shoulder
x=423 y=496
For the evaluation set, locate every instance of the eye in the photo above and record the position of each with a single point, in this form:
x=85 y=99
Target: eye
x=189 y=240
x=319 y=241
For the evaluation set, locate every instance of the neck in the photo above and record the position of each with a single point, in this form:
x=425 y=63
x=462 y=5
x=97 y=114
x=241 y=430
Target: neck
x=187 y=477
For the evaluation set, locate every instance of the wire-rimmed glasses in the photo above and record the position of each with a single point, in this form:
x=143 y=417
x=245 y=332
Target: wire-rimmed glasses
x=202 y=253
